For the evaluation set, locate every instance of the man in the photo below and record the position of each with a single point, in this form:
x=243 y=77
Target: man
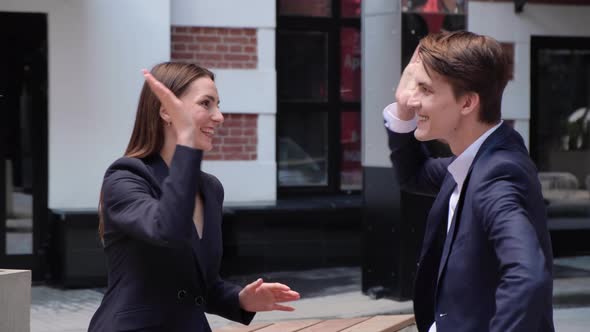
x=486 y=259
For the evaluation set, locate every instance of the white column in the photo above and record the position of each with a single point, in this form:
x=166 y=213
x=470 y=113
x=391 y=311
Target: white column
x=15 y=300
x=381 y=60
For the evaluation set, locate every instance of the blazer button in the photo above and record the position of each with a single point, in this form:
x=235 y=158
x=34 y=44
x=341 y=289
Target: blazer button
x=199 y=301
x=181 y=294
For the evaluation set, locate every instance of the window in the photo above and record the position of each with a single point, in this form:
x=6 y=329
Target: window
x=351 y=8
x=560 y=123
x=303 y=149
x=304 y=66
x=319 y=95
x=350 y=145
x=308 y=8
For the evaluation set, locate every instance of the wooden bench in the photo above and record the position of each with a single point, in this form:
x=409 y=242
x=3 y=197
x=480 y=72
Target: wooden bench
x=389 y=323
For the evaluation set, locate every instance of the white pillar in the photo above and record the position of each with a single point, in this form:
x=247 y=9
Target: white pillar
x=381 y=61
x=15 y=300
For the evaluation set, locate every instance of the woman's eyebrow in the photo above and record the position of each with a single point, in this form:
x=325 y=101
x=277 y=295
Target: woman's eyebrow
x=212 y=99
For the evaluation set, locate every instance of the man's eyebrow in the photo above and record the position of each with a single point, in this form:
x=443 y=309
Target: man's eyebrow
x=424 y=84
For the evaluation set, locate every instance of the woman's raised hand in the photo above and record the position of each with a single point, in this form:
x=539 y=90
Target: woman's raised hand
x=263 y=296
x=174 y=110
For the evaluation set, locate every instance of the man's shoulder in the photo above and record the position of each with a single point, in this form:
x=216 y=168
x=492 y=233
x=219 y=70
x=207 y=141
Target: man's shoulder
x=506 y=148
x=505 y=161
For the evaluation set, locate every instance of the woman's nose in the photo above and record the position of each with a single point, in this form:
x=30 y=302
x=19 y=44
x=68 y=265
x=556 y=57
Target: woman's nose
x=217 y=116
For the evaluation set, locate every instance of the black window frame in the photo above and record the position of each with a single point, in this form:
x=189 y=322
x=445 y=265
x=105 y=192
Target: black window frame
x=334 y=106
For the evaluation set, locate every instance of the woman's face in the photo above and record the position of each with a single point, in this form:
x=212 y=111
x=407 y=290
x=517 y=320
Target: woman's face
x=204 y=100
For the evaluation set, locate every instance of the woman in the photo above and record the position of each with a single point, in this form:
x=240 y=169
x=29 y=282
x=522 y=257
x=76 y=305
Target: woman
x=160 y=217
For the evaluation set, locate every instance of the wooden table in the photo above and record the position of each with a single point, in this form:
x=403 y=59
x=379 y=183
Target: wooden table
x=390 y=323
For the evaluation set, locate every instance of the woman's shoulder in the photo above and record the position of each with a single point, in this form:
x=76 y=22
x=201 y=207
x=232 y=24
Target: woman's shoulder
x=128 y=164
x=130 y=168
x=211 y=179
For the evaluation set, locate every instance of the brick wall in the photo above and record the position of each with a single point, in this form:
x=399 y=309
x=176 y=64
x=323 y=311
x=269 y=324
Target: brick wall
x=237 y=139
x=223 y=48
x=215 y=47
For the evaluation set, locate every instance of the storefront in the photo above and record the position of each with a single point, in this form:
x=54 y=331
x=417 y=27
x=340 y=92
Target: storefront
x=302 y=153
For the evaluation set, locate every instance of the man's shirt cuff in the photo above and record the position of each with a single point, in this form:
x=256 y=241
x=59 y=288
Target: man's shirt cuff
x=393 y=123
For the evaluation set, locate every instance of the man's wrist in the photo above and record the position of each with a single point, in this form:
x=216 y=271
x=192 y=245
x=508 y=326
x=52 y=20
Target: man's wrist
x=394 y=123
x=404 y=115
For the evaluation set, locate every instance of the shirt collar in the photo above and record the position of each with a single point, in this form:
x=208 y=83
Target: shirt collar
x=460 y=166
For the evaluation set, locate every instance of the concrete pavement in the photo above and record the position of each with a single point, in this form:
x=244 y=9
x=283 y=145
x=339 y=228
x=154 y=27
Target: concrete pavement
x=326 y=293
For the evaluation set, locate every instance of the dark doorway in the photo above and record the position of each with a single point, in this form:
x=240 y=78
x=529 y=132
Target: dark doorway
x=23 y=140
x=560 y=137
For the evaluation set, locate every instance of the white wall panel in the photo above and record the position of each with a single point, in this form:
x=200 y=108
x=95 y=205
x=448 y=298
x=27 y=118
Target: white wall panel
x=224 y=13
x=381 y=61
x=96 y=51
x=246 y=91
x=245 y=181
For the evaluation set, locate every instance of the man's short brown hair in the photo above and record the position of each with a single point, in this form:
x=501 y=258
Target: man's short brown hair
x=470 y=63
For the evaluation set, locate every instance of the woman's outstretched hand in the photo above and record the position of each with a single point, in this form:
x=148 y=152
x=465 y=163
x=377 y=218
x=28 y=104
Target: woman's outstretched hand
x=263 y=296
x=176 y=113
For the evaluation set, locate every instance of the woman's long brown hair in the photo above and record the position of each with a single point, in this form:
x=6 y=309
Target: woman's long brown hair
x=147 y=137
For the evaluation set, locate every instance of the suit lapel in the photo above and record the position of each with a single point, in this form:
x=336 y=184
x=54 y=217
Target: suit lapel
x=196 y=244
x=438 y=214
x=494 y=139
x=453 y=229
x=161 y=171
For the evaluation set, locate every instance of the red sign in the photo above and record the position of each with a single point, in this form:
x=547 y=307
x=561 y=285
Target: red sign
x=350 y=66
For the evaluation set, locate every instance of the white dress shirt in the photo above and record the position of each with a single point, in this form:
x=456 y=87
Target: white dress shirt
x=458 y=168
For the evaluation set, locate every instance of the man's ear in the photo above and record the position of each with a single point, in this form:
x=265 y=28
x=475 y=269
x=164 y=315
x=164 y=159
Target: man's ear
x=469 y=103
x=164 y=115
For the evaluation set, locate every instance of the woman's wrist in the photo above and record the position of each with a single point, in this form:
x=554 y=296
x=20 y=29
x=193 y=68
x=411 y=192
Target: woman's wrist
x=241 y=299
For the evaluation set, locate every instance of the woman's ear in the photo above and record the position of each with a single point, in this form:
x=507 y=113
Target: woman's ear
x=164 y=115
x=469 y=103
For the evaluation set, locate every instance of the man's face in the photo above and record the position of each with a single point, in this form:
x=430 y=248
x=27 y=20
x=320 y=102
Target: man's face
x=436 y=107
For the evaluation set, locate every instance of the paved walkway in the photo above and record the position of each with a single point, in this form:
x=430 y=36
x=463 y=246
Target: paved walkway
x=326 y=293
x=70 y=310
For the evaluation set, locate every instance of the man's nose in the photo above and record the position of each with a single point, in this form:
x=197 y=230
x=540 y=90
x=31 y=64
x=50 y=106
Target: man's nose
x=413 y=101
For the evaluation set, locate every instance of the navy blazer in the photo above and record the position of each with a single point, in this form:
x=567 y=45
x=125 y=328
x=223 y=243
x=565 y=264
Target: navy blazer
x=493 y=271
x=161 y=275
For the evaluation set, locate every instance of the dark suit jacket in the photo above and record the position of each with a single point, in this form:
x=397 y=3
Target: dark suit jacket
x=161 y=276
x=493 y=271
